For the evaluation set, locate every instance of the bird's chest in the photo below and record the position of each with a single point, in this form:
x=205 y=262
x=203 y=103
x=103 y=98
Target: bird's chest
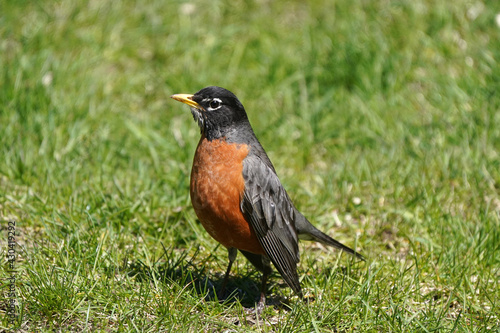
x=216 y=189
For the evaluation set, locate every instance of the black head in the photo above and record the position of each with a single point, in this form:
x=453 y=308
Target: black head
x=218 y=111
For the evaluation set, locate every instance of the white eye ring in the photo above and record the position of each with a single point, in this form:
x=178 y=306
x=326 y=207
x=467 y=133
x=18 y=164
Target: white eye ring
x=214 y=104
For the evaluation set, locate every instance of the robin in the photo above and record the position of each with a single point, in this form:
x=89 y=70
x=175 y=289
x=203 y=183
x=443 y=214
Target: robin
x=237 y=194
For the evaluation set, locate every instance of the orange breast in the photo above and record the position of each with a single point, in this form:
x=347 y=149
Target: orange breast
x=217 y=187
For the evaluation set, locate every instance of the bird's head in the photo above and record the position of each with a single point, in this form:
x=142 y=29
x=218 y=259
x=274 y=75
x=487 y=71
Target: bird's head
x=218 y=111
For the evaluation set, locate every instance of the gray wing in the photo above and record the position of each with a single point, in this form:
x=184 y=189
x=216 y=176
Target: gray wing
x=269 y=210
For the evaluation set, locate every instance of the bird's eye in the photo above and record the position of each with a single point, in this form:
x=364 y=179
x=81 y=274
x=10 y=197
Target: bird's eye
x=215 y=104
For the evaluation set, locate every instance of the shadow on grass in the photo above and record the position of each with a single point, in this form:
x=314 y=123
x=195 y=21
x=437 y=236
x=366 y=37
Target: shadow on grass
x=191 y=273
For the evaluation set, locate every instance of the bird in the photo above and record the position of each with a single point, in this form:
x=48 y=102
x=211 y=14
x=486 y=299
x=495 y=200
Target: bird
x=237 y=195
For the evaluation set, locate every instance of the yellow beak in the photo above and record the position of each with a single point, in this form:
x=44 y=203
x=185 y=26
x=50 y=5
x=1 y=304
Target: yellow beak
x=187 y=99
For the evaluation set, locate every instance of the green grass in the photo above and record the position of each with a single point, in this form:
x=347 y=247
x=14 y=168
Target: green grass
x=382 y=119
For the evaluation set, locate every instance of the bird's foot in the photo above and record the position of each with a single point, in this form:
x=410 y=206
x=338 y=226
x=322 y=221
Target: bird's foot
x=259 y=307
x=262 y=304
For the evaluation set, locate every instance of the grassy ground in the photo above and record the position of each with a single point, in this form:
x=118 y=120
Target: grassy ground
x=382 y=119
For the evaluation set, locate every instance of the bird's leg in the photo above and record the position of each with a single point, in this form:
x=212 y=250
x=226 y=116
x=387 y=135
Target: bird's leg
x=262 y=300
x=232 y=253
x=265 y=274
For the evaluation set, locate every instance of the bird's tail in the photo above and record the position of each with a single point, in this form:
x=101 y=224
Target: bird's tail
x=307 y=231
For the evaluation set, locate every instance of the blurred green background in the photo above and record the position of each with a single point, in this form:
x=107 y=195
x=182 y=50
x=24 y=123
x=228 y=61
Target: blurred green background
x=381 y=117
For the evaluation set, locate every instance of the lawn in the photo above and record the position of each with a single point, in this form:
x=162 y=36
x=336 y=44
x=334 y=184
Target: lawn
x=382 y=119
